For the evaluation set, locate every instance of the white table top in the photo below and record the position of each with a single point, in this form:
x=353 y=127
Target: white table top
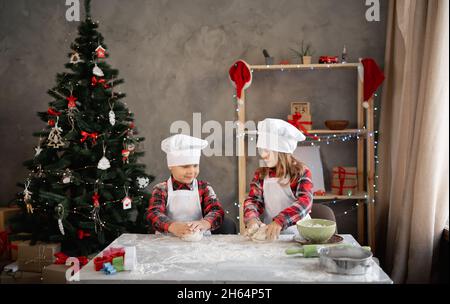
x=221 y=259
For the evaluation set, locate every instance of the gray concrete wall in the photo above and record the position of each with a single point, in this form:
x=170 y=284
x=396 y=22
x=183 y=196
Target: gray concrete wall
x=174 y=57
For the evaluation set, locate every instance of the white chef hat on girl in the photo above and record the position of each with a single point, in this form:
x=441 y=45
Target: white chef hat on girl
x=183 y=149
x=278 y=135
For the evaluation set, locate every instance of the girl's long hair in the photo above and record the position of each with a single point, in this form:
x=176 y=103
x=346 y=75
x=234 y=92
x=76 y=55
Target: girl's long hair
x=287 y=167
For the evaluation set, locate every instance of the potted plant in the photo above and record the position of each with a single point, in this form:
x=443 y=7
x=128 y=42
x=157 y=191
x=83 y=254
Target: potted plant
x=303 y=52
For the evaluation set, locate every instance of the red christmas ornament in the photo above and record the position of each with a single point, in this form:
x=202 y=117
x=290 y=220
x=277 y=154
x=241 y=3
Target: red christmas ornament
x=101 y=52
x=82 y=234
x=71 y=99
x=53 y=112
x=125 y=155
x=87 y=135
x=61 y=259
x=132 y=125
x=51 y=122
x=95 y=200
x=95 y=81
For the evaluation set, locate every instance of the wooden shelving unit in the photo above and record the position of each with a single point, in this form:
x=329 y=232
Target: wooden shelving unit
x=365 y=194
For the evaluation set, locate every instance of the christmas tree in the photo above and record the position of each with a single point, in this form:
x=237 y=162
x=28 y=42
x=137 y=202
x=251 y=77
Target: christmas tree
x=85 y=186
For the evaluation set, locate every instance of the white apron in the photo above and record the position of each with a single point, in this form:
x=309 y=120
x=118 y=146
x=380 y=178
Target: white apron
x=184 y=205
x=276 y=199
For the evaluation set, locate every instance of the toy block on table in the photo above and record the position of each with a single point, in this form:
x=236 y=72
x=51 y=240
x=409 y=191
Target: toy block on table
x=118 y=263
x=108 y=268
x=130 y=260
x=107 y=257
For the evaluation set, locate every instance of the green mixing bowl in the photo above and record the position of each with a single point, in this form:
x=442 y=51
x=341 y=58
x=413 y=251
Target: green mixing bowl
x=316 y=230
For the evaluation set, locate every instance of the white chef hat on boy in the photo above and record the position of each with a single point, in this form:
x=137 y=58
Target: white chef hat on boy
x=183 y=149
x=278 y=135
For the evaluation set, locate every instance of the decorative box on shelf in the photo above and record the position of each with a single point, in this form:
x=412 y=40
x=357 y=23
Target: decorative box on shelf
x=300 y=115
x=344 y=180
x=302 y=107
x=301 y=121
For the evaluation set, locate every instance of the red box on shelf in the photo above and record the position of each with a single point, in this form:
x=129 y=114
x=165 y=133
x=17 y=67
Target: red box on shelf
x=328 y=59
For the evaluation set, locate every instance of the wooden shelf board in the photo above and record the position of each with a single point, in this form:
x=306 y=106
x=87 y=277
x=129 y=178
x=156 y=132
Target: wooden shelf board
x=331 y=196
x=304 y=66
x=345 y=131
x=323 y=131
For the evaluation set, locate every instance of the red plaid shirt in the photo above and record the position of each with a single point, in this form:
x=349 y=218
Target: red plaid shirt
x=211 y=207
x=302 y=190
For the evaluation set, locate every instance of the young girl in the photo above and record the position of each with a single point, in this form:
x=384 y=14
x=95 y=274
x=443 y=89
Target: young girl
x=183 y=205
x=281 y=189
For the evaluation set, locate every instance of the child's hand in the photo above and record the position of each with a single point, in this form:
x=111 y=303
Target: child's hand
x=273 y=231
x=179 y=229
x=201 y=225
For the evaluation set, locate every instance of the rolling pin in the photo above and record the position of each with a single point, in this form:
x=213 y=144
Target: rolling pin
x=312 y=251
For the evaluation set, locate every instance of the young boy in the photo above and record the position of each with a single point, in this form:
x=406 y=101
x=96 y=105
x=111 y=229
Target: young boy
x=182 y=205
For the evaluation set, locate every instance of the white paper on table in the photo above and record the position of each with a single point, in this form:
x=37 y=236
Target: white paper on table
x=310 y=155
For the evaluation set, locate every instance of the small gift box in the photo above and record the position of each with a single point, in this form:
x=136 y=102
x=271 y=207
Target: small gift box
x=344 y=180
x=54 y=274
x=34 y=258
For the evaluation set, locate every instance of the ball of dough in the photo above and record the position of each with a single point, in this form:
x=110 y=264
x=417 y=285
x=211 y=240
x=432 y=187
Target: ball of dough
x=250 y=231
x=193 y=237
x=260 y=235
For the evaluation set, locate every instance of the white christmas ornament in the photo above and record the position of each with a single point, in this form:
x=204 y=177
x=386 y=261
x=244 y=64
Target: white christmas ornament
x=55 y=138
x=97 y=71
x=365 y=105
x=75 y=58
x=112 y=118
x=143 y=182
x=38 y=150
x=27 y=193
x=60 y=212
x=67 y=177
x=61 y=227
x=126 y=203
x=104 y=164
